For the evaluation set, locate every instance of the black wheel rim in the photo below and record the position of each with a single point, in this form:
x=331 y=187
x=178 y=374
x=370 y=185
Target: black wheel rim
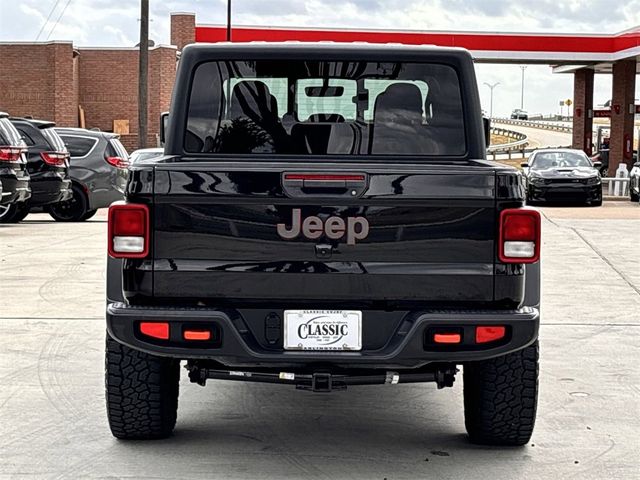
x=69 y=210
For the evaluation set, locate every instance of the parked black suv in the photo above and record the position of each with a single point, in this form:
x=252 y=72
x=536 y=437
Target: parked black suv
x=48 y=166
x=13 y=168
x=324 y=216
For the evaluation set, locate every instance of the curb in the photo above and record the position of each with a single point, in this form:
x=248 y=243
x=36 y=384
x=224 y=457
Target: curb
x=613 y=198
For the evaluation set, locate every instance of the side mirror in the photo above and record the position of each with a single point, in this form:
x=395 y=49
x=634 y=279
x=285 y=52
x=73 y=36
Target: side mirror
x=597 y=164
x=524 y=165
x=164 y=122
x=486 y=123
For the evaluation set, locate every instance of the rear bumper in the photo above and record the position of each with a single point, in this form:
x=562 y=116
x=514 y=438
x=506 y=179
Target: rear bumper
x=101 y=198
x=575 y=192
x=49 y=187
x=15 y=185
x=405 y=348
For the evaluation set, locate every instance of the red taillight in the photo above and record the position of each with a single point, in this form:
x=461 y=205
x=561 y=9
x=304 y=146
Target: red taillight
x=57 y=159
x=519 y=238
x=117 y=162
x=11 y=154
x=128 y=230
x=489 y=333
x=197 y=335
x=158 y=330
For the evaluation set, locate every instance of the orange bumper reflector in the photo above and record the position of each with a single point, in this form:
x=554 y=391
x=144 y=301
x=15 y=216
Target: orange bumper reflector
x=447 y=338
x=155 y=329
x=197 y=335
x=489 y=333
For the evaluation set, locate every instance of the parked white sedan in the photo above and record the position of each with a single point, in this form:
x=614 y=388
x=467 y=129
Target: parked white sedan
x=145 y=154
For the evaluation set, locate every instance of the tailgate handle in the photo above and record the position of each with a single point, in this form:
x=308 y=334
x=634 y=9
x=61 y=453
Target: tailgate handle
x=331 y=184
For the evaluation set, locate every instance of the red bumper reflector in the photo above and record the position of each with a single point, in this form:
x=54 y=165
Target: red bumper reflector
x=489 y=333
x=155 y=329
x=447 y=338
x=201 y=335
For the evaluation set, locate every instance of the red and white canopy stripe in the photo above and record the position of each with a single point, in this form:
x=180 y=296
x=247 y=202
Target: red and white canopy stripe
x=485 y=46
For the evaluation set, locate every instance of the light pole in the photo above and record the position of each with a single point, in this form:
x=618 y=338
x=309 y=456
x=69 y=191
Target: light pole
x=491 y=87
x=143 y=69
x=523 y=68
x=228 y=20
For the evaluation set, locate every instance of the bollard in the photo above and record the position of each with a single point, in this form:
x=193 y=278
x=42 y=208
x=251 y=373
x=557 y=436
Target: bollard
x=620 y=187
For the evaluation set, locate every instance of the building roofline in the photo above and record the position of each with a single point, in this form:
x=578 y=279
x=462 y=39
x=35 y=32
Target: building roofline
x=88 y=47
x=48 y=42
x=155 y=47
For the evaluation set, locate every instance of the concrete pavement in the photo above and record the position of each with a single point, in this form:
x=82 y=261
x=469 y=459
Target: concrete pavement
x=52 y=415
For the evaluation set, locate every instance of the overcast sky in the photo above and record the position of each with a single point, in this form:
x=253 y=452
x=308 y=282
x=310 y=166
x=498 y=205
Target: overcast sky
x=115 y=23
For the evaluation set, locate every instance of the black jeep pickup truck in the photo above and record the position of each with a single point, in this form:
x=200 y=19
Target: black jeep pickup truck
x=323 y=217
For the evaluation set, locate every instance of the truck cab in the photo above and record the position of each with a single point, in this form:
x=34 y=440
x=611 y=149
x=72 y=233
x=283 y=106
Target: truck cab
x=324 y=216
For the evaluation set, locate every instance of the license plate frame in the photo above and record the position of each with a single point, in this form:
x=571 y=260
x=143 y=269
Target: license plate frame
x=323 y=330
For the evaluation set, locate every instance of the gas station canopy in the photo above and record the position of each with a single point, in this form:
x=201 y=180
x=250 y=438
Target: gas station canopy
x=568 y=52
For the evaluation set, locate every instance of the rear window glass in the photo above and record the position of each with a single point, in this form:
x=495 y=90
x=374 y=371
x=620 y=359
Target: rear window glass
x=119 y=149
x=54 y=140
x=78 y=146
x=8 y=134
x=25 y=136
x=325 y=108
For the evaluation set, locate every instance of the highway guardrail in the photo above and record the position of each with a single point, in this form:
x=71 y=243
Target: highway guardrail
x=519 y=141
x=534 y=124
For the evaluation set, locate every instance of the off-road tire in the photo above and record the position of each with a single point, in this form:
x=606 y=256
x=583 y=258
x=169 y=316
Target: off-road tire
x=596 y=203
x=141 y=392
x=500 y=398
x=634 y=197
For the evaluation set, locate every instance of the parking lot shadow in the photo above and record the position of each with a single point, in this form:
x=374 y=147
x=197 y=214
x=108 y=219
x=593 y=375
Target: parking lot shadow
x=367 y=432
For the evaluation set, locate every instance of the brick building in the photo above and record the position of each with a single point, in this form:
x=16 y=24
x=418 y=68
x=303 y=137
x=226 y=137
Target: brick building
x=54 y=80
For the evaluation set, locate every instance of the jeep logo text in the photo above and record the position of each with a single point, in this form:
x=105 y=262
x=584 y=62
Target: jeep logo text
x=334 y=228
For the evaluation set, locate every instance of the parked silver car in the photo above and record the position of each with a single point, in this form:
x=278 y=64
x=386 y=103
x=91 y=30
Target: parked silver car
x=145 y=154
x=98 y=171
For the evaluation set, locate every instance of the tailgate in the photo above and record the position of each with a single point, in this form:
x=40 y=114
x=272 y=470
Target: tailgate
x=249 y=232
